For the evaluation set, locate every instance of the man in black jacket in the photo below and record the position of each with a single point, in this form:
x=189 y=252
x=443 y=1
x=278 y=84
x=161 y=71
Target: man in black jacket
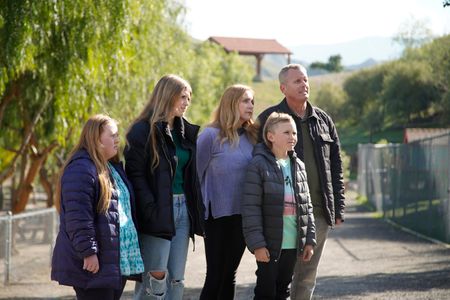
x=319 y=148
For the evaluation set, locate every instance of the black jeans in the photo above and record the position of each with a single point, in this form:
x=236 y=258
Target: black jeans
x=273 y=278
x=96 y=294
x=224 y=247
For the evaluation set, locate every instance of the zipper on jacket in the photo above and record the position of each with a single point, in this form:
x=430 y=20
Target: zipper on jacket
x=321 y=163
x=172 y=175
x=297 y=204
x=278 y=170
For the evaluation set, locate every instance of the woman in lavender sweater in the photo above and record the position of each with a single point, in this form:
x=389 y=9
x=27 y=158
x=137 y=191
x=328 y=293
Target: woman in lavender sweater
x=224 y=150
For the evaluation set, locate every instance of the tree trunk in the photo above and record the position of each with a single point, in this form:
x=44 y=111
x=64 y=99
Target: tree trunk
x=29 y=131
x=26 y=187
x=48 y=187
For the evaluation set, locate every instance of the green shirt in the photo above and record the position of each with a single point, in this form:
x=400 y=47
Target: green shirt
x=183 y=156
x=312 y=170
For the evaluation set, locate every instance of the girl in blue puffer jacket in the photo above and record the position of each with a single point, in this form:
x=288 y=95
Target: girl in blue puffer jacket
x=97 y=247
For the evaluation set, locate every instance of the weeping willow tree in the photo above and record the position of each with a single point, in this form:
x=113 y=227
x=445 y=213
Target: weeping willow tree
x=61 y=61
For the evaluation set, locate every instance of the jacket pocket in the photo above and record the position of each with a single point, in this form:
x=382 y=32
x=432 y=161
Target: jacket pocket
x=325 y=137
x=326 y=144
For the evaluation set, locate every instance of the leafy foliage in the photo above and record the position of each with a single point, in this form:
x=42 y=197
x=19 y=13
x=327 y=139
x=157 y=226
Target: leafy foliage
x=332 y=99
x=61 y=61
x=413 y=33
x=334 y=64
x=407 y=91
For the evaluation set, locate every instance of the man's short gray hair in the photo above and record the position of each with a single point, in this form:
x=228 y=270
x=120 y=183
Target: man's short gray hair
x=285 y=69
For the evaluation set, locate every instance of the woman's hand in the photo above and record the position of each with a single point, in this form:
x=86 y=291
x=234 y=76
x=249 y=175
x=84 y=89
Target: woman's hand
x=91 y=264
x=262 y=254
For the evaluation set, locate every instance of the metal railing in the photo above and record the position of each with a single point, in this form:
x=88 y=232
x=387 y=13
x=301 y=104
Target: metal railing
x=409 y=183
x=23 y=239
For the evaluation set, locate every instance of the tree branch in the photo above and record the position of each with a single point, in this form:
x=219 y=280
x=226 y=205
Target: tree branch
x=13 y=94
x=29 y=132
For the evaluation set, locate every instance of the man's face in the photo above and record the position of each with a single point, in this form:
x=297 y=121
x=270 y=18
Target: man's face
x=296 y=86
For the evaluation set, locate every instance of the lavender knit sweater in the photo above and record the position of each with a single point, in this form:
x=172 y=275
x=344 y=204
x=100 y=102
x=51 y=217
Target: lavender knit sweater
x=221 y=169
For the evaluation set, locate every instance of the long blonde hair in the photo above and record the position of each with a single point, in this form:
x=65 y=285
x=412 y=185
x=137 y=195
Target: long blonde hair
x=226 y=117
x=90 y=141
x=159 y=106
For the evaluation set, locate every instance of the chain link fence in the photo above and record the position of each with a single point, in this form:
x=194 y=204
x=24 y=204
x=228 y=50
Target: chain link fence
x=409 y=183
x=26 y=244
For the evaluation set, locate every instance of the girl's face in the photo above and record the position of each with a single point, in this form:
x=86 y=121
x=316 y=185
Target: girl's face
x=181 y=103
x=246 y=104
x=109 y=140
x=283 y=138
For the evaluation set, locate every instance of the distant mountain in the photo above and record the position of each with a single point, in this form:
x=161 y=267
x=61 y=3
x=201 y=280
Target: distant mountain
x=353 y=52
x=365 y=64
x=271 y=65
x=356 y=54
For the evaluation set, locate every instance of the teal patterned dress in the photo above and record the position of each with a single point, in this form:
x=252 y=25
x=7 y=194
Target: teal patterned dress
x=130 y=254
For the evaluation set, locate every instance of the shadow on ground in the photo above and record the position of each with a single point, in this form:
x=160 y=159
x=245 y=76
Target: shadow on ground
x=338 y=287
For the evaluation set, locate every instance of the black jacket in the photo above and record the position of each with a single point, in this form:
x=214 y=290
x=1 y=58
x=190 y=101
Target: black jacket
x=153 y=190
x=263 y=203
x=327 y=152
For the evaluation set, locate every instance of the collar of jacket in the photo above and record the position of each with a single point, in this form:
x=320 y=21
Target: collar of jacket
x=82 y=153
x=285 y=107
x=187 y=130
x=263 y=149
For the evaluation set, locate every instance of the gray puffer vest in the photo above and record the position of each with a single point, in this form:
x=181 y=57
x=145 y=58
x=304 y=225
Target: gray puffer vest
x=263 y=203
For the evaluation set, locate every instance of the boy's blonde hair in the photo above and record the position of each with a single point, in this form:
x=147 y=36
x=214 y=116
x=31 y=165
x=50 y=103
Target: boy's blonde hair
x=272 y=121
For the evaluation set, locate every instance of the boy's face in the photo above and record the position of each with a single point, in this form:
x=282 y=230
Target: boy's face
x=283 y=137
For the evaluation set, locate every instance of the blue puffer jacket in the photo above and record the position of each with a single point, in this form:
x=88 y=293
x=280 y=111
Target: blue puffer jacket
x=83 y=231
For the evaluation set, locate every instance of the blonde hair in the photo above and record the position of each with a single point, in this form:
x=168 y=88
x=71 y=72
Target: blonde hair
x=159 y=106
x=90 y=141
x=273 y=120
x=227 y=117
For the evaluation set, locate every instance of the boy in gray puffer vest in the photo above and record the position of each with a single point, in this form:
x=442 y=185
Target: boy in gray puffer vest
x=277 y=214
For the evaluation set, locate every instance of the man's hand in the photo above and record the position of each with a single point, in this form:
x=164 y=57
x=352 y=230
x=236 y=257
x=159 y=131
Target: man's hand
x=338 y=221
x=307 y=253
x=262 y=254
x=91 y=264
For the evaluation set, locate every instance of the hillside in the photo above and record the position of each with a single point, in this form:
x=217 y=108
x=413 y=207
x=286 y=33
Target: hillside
x=268 y=92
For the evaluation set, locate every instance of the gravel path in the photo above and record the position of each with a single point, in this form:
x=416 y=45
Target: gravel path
x=366 y=258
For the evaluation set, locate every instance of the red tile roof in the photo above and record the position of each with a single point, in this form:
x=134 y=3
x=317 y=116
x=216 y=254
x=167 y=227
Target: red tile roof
x=416 y=134
x=250 y=46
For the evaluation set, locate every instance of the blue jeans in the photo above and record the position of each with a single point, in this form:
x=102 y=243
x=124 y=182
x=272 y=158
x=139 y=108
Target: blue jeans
x=161 y=255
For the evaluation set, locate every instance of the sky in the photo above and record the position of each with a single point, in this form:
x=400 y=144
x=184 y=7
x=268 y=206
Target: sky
x=305 y=22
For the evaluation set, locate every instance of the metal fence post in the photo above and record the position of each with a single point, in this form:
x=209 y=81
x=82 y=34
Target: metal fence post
x=53 y=233
x=8 y=247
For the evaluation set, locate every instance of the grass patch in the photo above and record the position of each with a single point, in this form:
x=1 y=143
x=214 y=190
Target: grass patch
x=377 y=215
x=267 y=93
x=363 y=201
x=350 y=137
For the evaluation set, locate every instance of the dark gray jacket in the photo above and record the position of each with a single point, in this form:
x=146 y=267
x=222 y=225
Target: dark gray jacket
x=263 y=203
x=327 y=152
